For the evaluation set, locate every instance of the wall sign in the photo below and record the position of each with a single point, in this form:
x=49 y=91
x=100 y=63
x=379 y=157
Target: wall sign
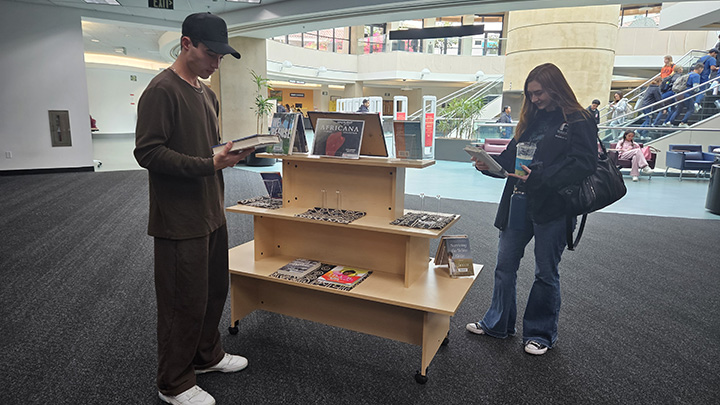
x=60 y=128
x=163 y=4
x=297 y=94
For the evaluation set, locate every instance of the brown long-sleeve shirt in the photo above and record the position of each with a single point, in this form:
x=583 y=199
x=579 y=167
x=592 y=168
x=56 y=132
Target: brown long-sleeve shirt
x=176 y=129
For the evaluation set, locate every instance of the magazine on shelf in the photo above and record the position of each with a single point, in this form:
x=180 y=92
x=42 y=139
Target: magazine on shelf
x=340 y=138
x=343 y=276
x=252 y=141
x=300 y=145
x=408 y=139
x=481 y=155
x=273 y=183
x=454 y=251
x=299 y=268
x=284 y=125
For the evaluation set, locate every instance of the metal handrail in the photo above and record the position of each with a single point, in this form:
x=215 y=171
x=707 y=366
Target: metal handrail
x=685 y=59
x=661 y=102
x=484 y=89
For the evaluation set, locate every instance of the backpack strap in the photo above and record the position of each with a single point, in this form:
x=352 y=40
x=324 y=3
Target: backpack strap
x=571 y=245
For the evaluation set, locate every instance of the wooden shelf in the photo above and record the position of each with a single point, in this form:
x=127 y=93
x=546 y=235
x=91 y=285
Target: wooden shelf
x=362 y=161
x=406 y=298
x=368 y=223
x=433 y=292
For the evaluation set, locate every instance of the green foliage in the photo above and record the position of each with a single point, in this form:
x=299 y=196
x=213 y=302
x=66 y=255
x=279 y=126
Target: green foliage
x=457 y=116
x=262 y=105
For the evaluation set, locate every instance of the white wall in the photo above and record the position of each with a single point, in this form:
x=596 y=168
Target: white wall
x=43 y=69
x=113 y=97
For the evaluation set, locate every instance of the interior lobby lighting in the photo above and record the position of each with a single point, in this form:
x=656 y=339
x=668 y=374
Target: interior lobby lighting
x=286 y=64
x=245 y=1
x=108 y=2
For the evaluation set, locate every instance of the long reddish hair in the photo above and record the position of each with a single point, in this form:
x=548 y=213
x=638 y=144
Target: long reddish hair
x=553 y=82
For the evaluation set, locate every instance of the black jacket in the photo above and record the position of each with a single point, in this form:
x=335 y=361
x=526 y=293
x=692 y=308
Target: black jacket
x=560 y=160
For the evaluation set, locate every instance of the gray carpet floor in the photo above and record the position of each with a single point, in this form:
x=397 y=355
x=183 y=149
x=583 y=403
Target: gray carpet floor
x=640 y=319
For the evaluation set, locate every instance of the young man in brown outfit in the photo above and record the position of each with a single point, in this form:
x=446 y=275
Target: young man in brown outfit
x=177 y=126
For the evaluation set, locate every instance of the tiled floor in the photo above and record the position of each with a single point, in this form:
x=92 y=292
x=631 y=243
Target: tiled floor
x=661 y=196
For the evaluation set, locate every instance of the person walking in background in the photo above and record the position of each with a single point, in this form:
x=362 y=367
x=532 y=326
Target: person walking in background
x=593 y=109
x=667 y=94
x=667 y=68
x=177 y=126
x=618 y=108
x=505 y=118
x=629 y=150
x=365 y=106
x=651 y=96
x=566 y=137
x=691 y=103
x=710 y=68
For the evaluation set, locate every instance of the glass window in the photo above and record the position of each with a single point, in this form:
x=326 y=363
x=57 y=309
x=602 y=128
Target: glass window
x=295 y=39
x=310 y=40
x=640 y=16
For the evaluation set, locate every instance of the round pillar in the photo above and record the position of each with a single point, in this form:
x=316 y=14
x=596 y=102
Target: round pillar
x=579 y=40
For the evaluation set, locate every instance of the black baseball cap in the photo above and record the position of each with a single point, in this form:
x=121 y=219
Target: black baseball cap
x=211 y=30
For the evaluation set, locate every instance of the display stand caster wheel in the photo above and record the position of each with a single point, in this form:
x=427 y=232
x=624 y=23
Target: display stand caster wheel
x=419 y=378
x=234 y=329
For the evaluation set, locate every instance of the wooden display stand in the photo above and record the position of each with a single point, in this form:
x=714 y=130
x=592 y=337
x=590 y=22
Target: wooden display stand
x=406 y=298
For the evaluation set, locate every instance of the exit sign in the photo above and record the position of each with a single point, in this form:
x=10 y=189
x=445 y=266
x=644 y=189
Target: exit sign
x=164 y=4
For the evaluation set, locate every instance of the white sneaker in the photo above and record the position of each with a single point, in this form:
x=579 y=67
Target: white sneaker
x=229 y=364
x=475 y=328
x=647 y=170
x=193 y=396
x=635 y=178
x=697 y=107
x=683 y=125
x=666 y=124
x=533 y=347
x=717 y=103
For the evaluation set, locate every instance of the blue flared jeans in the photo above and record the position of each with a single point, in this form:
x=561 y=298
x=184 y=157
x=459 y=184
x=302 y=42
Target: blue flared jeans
x=540 y=321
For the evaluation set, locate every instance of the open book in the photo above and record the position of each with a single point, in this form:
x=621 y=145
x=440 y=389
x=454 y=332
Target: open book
x=480 y=154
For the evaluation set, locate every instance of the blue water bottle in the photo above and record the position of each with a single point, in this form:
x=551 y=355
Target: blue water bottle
x=518 y=210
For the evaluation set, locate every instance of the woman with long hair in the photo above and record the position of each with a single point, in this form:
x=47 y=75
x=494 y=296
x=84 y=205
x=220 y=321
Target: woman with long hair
x=628 y=149
x=618 y=108
x=564 y=136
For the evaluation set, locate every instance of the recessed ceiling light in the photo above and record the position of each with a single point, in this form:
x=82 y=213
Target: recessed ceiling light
x=108 y=2
x=95 y=40
x=245 y=1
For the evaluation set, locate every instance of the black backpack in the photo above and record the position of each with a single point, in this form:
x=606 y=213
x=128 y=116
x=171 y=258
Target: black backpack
x=666 y=84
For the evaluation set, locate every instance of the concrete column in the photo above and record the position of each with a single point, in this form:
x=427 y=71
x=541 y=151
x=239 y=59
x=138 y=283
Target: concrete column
x=353 y=90
x=579 y=40
x=323 y=102
x=429 y=44
x=235 y=87
x=467 y=42
x=357 y=32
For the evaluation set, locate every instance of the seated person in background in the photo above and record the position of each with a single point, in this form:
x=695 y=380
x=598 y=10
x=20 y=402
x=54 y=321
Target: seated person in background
x=629 y=150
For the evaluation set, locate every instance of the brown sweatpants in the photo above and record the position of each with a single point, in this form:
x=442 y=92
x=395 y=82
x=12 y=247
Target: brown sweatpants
x=191 y=284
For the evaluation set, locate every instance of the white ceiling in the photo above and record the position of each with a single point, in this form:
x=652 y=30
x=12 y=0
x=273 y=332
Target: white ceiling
x=138 y=28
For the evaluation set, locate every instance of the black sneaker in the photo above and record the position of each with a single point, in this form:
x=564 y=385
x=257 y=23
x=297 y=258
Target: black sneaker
x=533 y=347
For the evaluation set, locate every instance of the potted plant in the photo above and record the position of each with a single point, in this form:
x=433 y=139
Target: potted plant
x=262 y=107
x=457 y=117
